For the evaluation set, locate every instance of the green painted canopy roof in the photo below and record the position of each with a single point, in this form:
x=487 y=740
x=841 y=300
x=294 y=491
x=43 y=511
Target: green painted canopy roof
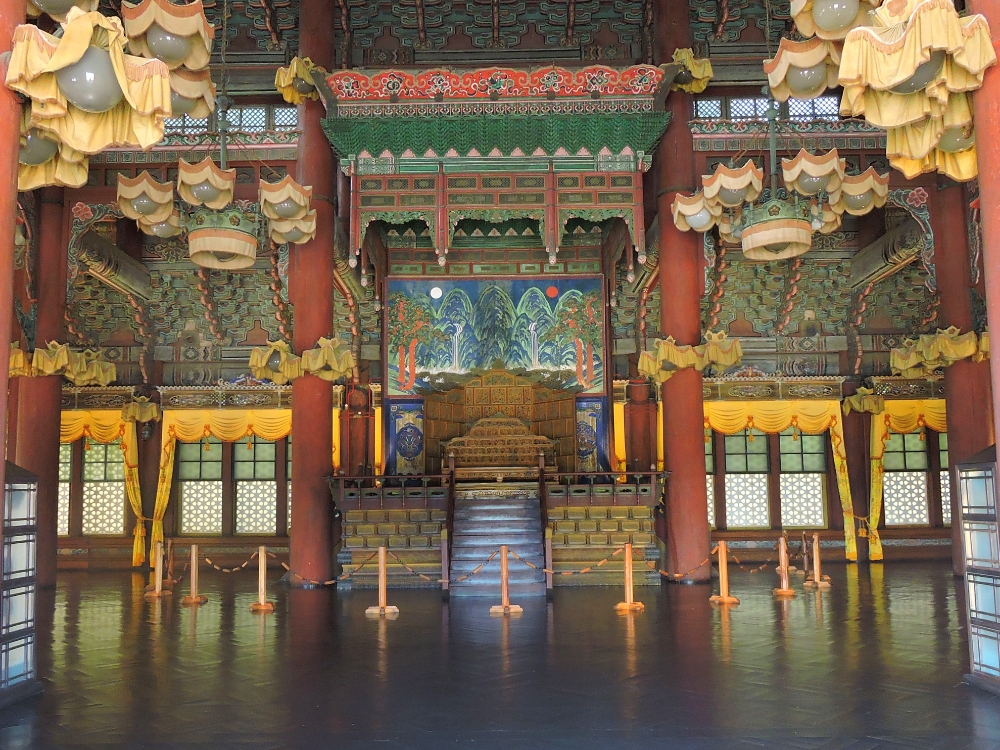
x=593 y=132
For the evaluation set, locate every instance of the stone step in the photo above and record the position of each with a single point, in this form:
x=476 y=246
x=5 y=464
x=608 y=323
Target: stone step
x=466 y=514
x=495 y=529
x=497 y=508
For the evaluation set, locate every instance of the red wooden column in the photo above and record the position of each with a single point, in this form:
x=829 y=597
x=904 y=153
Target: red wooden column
x=967 y=383
x=311 y=284
x=11 y=14
x=39 y=398
x=680 y=297
x=987 y=120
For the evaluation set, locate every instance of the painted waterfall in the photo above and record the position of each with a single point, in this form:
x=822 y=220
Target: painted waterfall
x=438 y=328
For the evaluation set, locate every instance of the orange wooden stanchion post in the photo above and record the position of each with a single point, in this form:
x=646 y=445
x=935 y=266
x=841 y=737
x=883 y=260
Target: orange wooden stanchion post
x=630 y=604
x=817 y=576
x=383 y=608
x=157 y=591
x=193 y=599
x=783 y=589
x=723 y=596
x=445 y=565
x=505 y=607
x=262 y=605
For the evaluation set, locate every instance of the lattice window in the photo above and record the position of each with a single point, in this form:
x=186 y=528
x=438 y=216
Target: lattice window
x=746 y=453
x=708 y=109
x=985 y=651
x=905 y=498
x=905 y=452
x=710 y=491
x=709 y=453
x=821 y=108
x=247 y=119
x=103 y=489
x=104 y=508
x=288 y=474
x=253 y=459
x=747 y=501
x=199 y=460
x=65 y=476
x=802 y=453
x=17 y=660
x=286 y=118
x=185 y=125
x=803 y=505
x=748 y=108
x=201 y=507
x=945 y=480
x=288 y=518
x=256 y=507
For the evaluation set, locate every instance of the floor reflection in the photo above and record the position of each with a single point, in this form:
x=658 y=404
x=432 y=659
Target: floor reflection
x=881 y=654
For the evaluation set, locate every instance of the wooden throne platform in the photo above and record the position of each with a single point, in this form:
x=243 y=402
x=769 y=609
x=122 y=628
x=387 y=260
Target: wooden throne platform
x=499 y=448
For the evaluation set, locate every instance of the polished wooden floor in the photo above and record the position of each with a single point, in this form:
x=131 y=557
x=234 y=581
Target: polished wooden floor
x=875 y=662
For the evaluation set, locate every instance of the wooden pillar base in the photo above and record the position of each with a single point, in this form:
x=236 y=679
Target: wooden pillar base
x=262 y=607
x=194 y=601
x=390 y=612
x=789 y=593
x=629 y=607
x=498 y=610
x=724 y=600
x=150 y=596
x=817 y=585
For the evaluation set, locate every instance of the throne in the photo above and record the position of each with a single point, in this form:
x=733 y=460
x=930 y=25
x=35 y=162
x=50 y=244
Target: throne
x=499 y=448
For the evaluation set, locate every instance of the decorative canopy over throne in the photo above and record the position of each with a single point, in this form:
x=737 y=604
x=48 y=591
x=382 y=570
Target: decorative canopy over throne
x=499 y=447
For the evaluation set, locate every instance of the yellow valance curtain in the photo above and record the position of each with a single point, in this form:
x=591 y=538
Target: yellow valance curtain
x=898 y=416
x=813 y=417
x=106 y=426
x=229 y=425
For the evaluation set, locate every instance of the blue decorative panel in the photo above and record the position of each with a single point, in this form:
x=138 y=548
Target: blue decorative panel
x=591 y=435
x=406 y=437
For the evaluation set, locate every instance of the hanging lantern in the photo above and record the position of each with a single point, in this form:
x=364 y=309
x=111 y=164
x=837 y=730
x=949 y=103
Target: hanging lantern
x=695 y=73
x=43 y=161
x=144 y=199
x=205 y=183
x=803 y=70
x=859 y=194
x=910 y=74
x=176 y=34
x=57 y=9
x=296 y=83
x=776 y=231
x=84 y=89
x=284 y=200
x=943 y=144
x=169 y=227
x=809 y=174
x=293 y=231
x=192 y=93
x=733 y=186
x=694 y=212
x=830 y=19
x=223 y=239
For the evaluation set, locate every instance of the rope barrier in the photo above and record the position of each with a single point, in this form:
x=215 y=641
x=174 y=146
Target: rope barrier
x=474 y=572
x=237 y=569
x=582 y=571
x=411 y=570
x=758 y=569
x=332 y=581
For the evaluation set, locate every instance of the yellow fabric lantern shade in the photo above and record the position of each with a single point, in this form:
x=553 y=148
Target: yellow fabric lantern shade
x=813 y=417
x=181 y=20
x=300 y=68
x=828 y=165
x=748 y=178
x=864 y=400
x=289 y=365
x=700 y=70
x=668 y=356
x=295 y=231
x=161 y=193
x=802 y=14
x=141 y=409
x=33 y=11
x=687 y=206
x=287 y=189
x=793 y=236
x=857 y=185
x=901 y=416
x=920 y=357
x=792 y=56
x=18 y=364
x=197 y=85
x=327 y=362
x=190 y=175
x=136 y=120
x=68 y=168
